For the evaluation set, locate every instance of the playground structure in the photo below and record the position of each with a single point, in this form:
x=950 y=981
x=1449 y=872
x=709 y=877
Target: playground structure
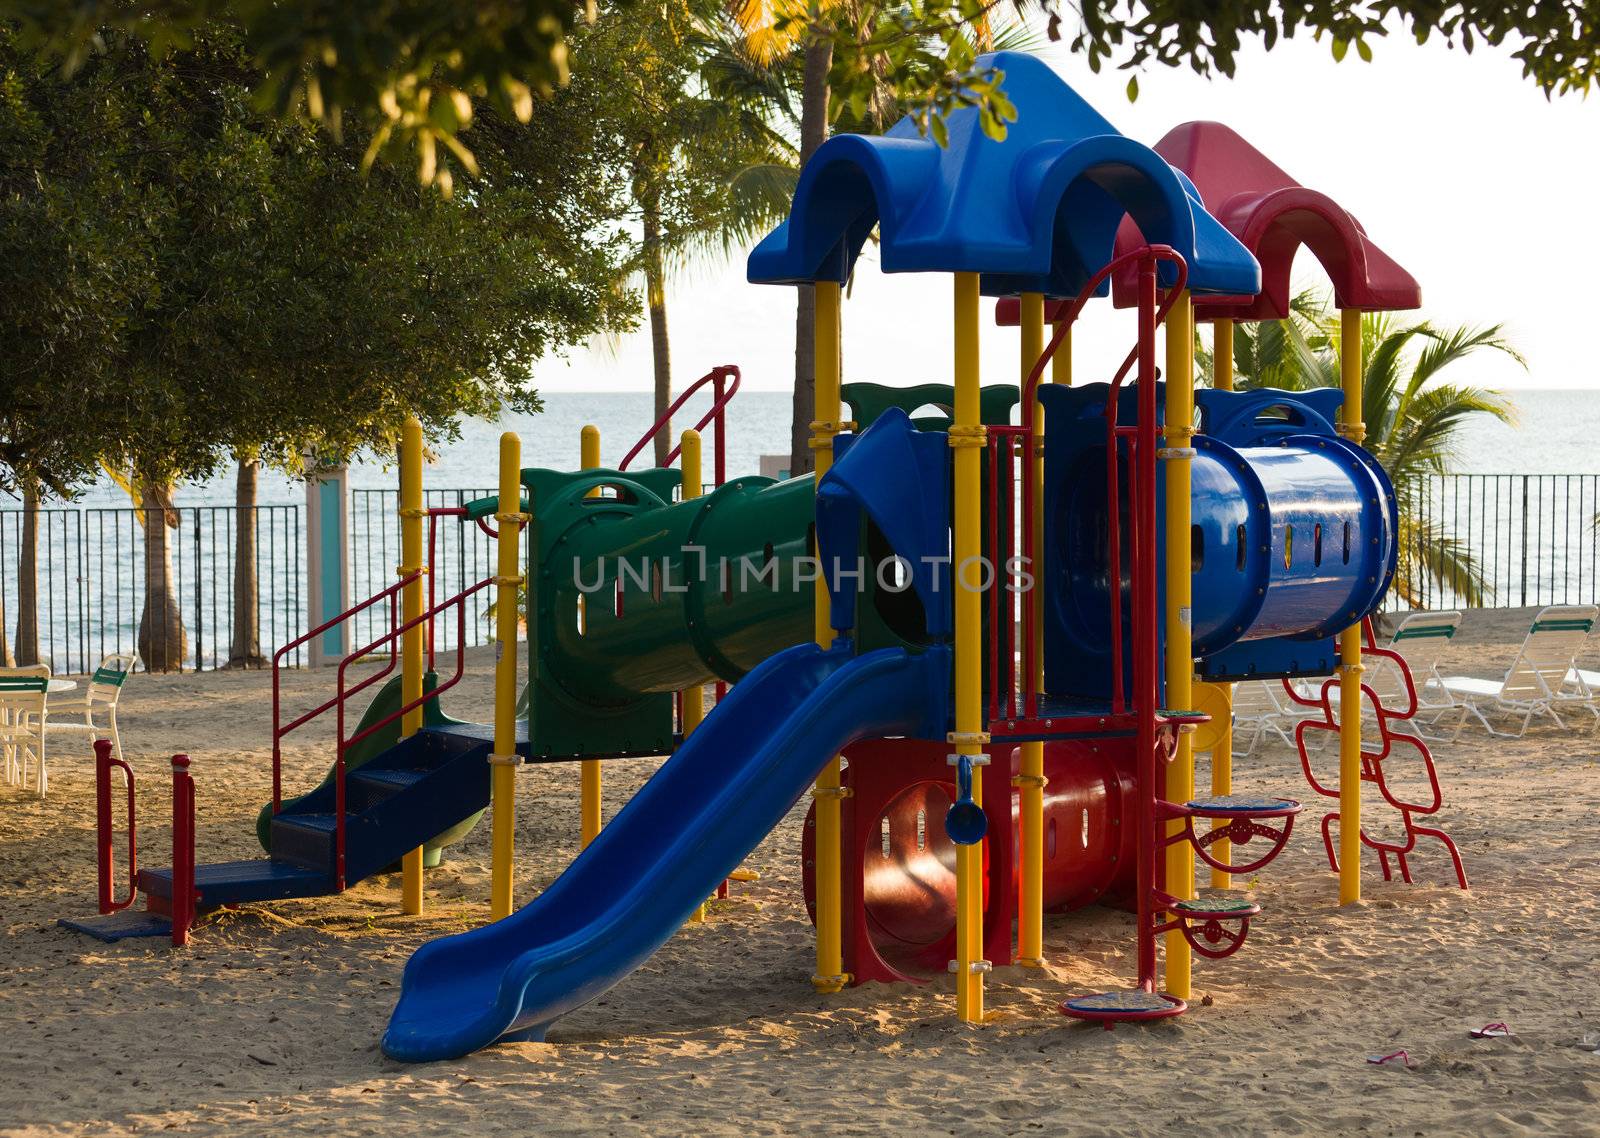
x=1064 y=600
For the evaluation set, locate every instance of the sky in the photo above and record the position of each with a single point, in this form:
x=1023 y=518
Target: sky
x=1453 y=163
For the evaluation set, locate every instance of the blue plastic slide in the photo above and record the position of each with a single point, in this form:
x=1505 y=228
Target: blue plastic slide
x=689 y=827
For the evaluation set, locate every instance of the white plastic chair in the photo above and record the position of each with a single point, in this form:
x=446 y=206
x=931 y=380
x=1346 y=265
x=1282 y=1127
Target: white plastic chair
x=100 y=694
x=1542 y=677
x=1260 y=708
x=1420 y=639
x=22 y=720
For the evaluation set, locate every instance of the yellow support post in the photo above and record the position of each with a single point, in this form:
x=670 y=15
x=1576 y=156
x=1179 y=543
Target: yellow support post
x=1352 y=428
x=1222 y=355
x=589 y=769
x=504 y=761
x=830 y=975
x=412 y=600
x=1179 y=439
x=1061 y=362
x=692 y=699
x=1222 y=753
x=1030 y=915
x=967 y=436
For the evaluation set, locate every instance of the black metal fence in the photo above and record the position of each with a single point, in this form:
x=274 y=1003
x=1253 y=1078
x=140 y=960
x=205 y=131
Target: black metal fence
x=1532 y=537
x=462 y=554
x=91 y=584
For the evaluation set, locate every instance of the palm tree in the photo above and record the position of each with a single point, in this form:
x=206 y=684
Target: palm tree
x=1413 y=417
x=700 y=150
x=793 y=40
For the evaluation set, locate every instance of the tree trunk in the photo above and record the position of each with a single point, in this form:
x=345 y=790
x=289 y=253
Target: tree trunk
x=162 y=640
x=655 y=285
x=246 y=649
x=27 y=647
x=7 y=660
x=813 y=131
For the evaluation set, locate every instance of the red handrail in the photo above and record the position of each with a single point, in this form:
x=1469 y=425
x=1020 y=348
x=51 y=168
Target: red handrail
x=1149 y=256
x=392 y=638
x=391 y=594
x=722 y=396
x=104 y=835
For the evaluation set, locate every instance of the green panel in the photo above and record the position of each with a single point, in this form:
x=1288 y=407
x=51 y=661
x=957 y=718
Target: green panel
x=869 y=400
x=1425 y=632
x=1567 y=625
x=627 y=613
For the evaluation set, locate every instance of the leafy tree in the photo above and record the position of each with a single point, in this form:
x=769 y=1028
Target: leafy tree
x=187 y=279
x=409 y=73
x=1413 y=415
x=860 y=68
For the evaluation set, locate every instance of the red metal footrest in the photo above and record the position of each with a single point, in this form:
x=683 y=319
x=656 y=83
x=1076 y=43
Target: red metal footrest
x=1245 y=816
x=1214 y=927
x=1111 y=1008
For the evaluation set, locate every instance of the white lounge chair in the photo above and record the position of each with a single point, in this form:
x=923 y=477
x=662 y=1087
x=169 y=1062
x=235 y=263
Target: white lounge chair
x=1261 y=708
x=1543 y=676
x=1419 y=639
x=22 y=719
x=100 y=695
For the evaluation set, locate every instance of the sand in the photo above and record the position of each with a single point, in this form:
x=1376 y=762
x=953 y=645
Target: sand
x=270 y=1020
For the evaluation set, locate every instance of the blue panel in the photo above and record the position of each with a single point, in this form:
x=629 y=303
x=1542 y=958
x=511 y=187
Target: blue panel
x=690 y=826
x=1293 y=535
x=1077 y=576
x=1037 y=210
x=900 y=477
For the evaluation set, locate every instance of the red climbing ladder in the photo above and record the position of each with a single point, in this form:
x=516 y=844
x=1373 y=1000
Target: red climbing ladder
x=1373 y=761
x=1214 y=928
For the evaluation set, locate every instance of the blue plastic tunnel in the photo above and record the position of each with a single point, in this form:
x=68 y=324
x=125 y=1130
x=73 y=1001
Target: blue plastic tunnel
x=1293 y=535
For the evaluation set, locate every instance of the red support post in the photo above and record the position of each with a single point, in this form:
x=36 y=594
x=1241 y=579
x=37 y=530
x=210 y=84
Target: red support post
x=1142 y=492
x=183 y=892
x=102 y=822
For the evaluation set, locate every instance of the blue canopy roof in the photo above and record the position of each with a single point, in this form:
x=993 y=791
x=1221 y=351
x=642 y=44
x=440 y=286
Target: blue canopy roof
x=1034 y=212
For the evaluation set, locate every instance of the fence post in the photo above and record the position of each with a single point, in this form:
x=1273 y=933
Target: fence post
x=1524 y=515
x=327 y=561
x=199 y=597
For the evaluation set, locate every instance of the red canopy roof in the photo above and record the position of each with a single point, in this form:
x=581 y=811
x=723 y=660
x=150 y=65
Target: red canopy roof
x=1272 y=215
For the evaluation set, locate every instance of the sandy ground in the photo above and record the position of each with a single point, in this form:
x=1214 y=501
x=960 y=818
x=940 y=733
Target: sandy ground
x=270 y=1020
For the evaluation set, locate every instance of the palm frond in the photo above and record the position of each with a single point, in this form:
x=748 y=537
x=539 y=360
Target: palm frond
x=1431 y=557
x=1455 y=344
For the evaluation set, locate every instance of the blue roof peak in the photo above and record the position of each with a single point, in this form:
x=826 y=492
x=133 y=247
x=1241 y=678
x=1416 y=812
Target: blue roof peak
x=1036 y=211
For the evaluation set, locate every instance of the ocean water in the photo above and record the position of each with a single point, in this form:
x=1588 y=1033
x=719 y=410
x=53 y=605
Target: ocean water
x=91 y=555
x=1554 y=434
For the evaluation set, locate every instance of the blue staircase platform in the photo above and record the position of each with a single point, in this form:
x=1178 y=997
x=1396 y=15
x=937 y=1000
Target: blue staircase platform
x=394 y=803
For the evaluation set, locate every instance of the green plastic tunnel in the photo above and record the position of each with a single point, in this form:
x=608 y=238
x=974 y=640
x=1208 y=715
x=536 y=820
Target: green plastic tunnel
x=640 y=594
